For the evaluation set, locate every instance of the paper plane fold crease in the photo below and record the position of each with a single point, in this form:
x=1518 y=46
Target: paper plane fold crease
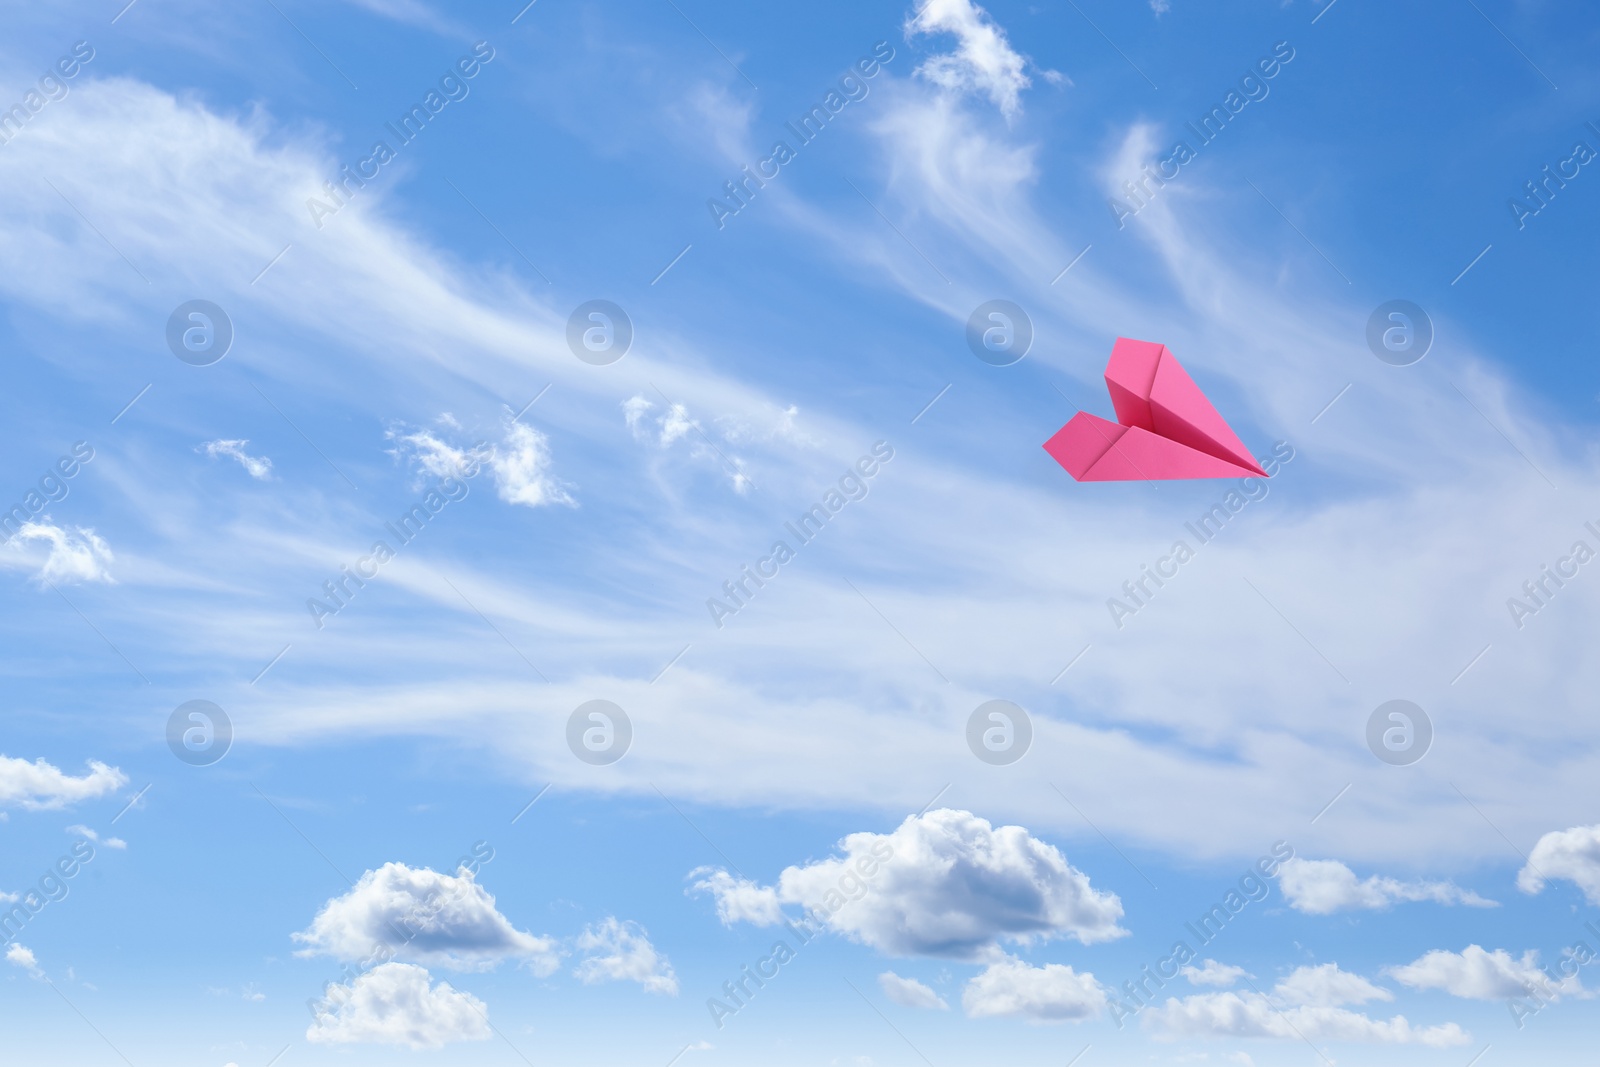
x=1165 y=428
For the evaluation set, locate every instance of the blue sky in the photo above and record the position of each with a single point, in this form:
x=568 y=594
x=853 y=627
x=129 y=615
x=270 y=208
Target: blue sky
x=392 y=852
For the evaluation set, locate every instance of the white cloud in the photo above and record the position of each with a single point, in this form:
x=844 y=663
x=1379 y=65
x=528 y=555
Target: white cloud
x=259 y=468
x=1305 y=1005
x=910 y=993
x=413 y=12
x=1572 y=855
x=1476 y=974
x=522 y=469
x=422 y=915
x=983 y=60
x=628 y=956
x=668 y=427
x=739 y=900
x=1160 y=7
x=372 y=280
x=520 y=465
x=21 y=956
x=1051 y=993
x=393 y=1004
x=946 y=883
x=1254 y=1015
x=431 y=455
x=38 y=786
x=1212 y=973
x=675 y=424
x=84 y=831
x=80 y=557
x=1322 y=887
x=1326 y=986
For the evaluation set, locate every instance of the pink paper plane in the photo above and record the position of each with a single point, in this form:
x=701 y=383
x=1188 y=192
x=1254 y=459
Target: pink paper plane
x=1165 y=429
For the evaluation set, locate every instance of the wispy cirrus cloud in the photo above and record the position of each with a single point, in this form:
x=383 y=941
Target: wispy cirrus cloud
x=258 y=467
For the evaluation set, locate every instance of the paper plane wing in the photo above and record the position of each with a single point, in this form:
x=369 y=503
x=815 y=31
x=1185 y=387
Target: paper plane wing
x=1095 y=450
x=1165 y=428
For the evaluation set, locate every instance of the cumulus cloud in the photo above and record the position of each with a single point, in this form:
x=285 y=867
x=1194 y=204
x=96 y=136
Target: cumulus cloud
x=38 y=786
x=1570 y=855
x=84 y=831
x=74 y=557
x=522 y=469
x=625 y=954
x=910 y=993
x=259 y=468
x=983 y=62
x=1322 y=887
x=739 y=900
x=946 y=883
x=1253 y=1015
x=1476 y=974
x=1212 y=973
x=22 y=957
x=1305 y=1005
x=394 y=1004
x=1326 y=986
x=424 y=916
x=1052 y=993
